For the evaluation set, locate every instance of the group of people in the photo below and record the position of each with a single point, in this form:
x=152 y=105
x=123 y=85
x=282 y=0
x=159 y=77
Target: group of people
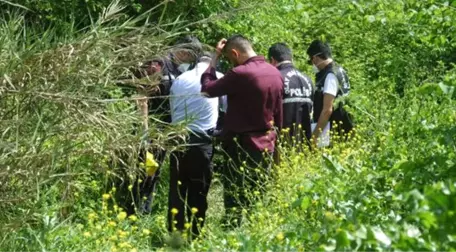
x=258 y=98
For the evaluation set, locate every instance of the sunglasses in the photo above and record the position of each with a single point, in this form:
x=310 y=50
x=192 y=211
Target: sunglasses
x=309 y=61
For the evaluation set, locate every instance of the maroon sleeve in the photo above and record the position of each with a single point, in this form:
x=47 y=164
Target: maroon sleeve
x=278 y=114
x=218 y=87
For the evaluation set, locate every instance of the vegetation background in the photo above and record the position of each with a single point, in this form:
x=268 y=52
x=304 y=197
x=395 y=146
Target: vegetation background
x=68 y=145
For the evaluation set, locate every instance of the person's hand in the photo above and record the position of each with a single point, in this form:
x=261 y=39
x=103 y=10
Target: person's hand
x=220 y=46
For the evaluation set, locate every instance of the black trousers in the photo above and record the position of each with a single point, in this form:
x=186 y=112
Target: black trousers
x=244 y=177
x=190 y=179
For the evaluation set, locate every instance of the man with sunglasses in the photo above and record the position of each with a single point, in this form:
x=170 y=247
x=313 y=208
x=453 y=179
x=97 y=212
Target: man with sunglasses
x=331 y=82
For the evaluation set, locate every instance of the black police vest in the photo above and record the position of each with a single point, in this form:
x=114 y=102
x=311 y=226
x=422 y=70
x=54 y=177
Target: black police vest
x=343 y=88
x=297 y=101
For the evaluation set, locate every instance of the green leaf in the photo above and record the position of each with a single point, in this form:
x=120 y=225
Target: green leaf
x=305 y=203
x=342 y=240
x=448 y=90
x=328 y=247
x=380 y=236
x=370 y=18
x=361 y=232
x=332 y=164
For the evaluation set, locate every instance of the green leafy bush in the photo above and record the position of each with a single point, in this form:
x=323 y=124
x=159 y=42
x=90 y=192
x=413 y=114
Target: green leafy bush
x=391 y=188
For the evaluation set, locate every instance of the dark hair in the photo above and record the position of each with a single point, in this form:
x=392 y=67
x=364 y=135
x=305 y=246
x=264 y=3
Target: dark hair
x=190 y=43
x=238 y=42
x=280 y=52
x=205 y=57
x=320 y=49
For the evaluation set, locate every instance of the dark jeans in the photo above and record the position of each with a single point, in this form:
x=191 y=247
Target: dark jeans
x=190 y=179
x=244 y=179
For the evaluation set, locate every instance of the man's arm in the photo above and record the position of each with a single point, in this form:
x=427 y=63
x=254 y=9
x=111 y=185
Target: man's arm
x=278 y=122
x=213 y=87
x=278 y=115
x=330 y=91
x=326 y=113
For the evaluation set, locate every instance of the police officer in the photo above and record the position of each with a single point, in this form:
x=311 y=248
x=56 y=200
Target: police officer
x=297 y=93
x=331 y=82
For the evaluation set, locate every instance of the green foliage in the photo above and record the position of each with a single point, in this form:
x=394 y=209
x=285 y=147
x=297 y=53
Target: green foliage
x=67 y=13
x=391 y=188
x=62 y=141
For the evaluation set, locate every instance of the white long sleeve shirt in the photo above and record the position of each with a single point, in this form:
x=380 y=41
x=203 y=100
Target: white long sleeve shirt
x=187 y=103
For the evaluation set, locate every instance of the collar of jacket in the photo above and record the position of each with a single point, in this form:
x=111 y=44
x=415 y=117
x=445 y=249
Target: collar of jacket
x=284 y=62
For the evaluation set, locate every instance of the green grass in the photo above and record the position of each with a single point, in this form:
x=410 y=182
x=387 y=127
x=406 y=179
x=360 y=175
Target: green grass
x=67 y=132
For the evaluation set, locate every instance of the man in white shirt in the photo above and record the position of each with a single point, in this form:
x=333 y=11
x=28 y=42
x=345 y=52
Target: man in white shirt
x=191 y=170
x=331 y=82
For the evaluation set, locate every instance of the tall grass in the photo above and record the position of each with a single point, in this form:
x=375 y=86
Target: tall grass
x=66 y=128
x=68 y=136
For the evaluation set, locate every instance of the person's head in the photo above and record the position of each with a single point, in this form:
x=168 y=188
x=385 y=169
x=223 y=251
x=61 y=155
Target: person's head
x=279 y=52
x=186 y=51
x=319 y=53
x=238 y=49
x=205 y=57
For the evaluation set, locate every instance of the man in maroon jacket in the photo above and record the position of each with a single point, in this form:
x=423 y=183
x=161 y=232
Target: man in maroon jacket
x=254 y=92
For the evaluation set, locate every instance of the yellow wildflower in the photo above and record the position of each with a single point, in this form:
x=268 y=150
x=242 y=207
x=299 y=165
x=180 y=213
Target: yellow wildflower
x=133 y=218
x=122 y=233
x=86 y=234
x=187 y=225
x=133 y=250
x=280 y=236
x=121 y=216
x=130 y=187
x=174 y=211
x=194 y=210
x=179 y=182
x=106 y=196
x=92 y=216
x=146 y=232
x=112 y=224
